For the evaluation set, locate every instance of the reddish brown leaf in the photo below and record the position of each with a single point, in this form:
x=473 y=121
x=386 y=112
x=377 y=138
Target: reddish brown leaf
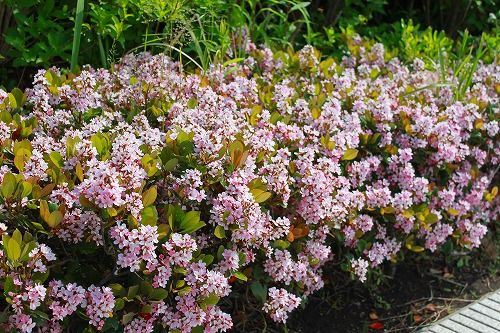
x=145 y=316
x=417 y=318
x=430 y=307
x=376 y=326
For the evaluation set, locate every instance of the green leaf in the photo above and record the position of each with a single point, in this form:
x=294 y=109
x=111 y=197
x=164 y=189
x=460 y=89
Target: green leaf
x=206 y=258
x=220 y=250
x=158 y=294
x=119 y=304
x=149 y=215
x=118 y=290
x=20 y=158
x=192 y=103
x=259 y=291
x=220 y=232
x=132 y=292
x=171 y=164
x=5 y=243
x=240 y=276
x=26 y=189
x=18 y=97
x=97 y=142
x=416 y=248
x=101 y=143
x=186 y=148
x=8 y=285
x=315 y=112
x=17 y=236
x=127 y=317
x=198 y=329
x=361 y=245
x=191 y=222
x=38 y=314
x=111 y=211
x=145 y=288
x=28 y=237
x=281 y=244
x=5 y=117
x=163 y=229
x=27 y=248
x=147 y=308
x=211 y=299
x=56 y=158
x=431 y=218
x=40 y=277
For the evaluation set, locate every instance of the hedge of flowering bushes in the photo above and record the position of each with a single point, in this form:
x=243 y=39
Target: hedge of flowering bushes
x=139 y=198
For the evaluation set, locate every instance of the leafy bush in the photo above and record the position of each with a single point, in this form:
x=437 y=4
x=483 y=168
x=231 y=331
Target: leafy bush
x=38 y=33
x=144 y=197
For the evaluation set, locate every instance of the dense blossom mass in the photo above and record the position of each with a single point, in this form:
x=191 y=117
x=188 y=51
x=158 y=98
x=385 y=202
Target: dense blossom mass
x=141 y=197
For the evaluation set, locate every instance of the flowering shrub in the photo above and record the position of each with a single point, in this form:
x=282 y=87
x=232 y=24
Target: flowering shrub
x=139 y=198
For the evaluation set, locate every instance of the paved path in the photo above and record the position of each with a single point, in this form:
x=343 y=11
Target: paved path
x=482 y=316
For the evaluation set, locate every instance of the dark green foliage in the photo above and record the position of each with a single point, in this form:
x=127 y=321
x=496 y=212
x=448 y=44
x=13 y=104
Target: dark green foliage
x=39 y=33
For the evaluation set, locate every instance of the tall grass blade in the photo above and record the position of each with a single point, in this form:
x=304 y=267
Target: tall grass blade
x=77 y=34
x=102 y=53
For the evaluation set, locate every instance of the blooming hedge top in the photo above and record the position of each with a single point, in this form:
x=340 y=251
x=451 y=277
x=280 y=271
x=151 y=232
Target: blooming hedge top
x=140 y=197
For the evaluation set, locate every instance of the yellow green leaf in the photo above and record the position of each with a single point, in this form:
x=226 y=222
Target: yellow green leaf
x=163 y=230
x=315 y=112
x=408 y=213
x=260 y=195
x=350 y=154
x=44 y=210
x=26 y=189
x=431 y=218
x=79 y=171
x=112 y=211
x=149 y=196
x=219 y=232
x=17 y=236
x=9 y=184
x=387 y=210
x=14 y=249
x=55 y=219
x=416 y=248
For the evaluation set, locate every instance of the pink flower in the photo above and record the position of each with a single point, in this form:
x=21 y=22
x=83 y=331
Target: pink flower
x=280 y=303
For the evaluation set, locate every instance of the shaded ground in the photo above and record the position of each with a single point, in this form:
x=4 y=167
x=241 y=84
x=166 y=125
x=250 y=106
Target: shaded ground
x=411 y=294
x=417 y=294
x=413 y=298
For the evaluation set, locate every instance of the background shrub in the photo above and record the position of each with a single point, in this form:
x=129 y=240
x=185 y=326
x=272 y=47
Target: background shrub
x=37 y=33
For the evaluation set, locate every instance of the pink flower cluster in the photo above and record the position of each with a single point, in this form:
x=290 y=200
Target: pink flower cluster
x=280 y=304
x=137 y=245
x=64 y=300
